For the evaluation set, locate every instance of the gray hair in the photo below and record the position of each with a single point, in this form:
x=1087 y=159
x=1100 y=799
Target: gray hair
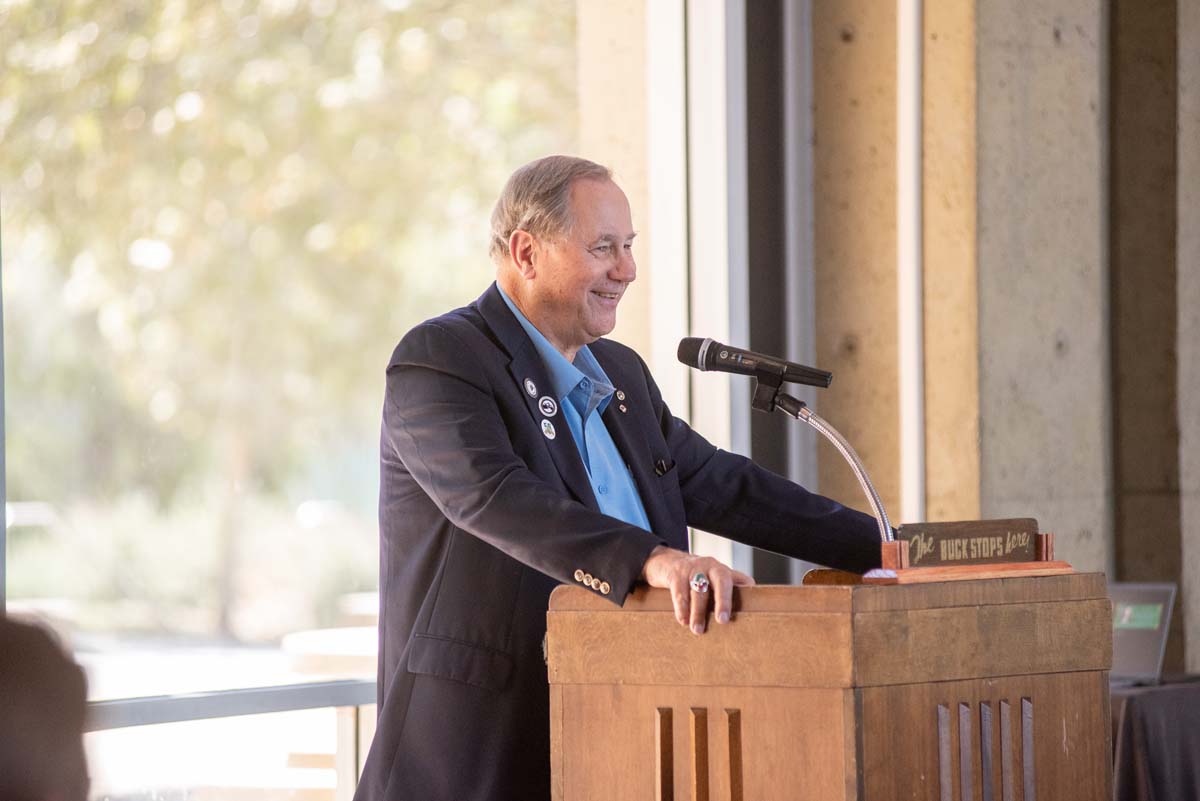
x=537 y=199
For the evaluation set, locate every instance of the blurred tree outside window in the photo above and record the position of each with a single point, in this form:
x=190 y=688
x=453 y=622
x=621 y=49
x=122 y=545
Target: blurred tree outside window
x=217 y=217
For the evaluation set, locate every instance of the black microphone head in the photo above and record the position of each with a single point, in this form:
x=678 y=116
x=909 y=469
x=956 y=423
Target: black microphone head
x=689 y=351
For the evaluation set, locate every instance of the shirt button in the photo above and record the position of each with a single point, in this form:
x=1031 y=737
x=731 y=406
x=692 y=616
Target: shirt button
x=603 y=489
x=585 y=384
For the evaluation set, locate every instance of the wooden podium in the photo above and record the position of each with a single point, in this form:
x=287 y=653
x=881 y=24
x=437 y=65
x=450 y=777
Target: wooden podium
x=992 y=690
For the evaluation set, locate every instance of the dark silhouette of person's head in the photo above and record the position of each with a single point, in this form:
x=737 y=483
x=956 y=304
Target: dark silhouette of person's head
x=43 y=703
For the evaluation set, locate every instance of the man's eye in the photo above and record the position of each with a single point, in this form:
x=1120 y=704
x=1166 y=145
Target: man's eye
x=602 y=249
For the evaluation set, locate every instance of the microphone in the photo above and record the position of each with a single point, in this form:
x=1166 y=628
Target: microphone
x=707 y=354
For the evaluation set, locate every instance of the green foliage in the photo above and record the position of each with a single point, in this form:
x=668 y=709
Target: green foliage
x=218 y=217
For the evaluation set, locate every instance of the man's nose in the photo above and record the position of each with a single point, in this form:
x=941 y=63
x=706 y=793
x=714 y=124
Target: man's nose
x=625 y=269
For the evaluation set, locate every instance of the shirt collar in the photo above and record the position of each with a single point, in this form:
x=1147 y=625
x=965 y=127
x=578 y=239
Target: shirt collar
x=564 y=375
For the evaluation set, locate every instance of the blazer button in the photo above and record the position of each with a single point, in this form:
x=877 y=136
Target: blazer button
x=596 y=584
x=579 y=575
x=587 y=579
x=605 y=588
x=660 y=467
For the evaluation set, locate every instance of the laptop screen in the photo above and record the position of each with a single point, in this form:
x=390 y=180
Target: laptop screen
x=1141 y=622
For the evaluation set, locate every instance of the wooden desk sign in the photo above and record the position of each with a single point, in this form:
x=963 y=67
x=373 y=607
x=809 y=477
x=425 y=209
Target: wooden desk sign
x=969 y=549
x=971 y=542
x=972 y=547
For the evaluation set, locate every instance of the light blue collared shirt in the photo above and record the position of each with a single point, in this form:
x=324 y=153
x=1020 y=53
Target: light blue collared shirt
x=584 y=392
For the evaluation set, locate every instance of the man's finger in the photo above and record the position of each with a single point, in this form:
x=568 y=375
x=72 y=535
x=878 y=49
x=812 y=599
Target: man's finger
x=722 y=593
x=681 y=600
x=741 y=579
x=699 y=611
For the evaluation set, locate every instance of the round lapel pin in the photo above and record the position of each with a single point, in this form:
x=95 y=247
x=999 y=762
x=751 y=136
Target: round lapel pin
x=548 y=429
x=620 y=395
x=531 y=387
x=547 y=406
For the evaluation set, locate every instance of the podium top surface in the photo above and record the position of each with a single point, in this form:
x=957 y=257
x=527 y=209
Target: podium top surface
x=838 y=636
x=859 y=597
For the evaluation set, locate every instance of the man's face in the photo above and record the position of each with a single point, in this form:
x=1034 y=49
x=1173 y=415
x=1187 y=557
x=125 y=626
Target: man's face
x=579 y=279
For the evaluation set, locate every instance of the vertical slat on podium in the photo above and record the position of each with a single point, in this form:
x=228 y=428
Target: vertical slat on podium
x=733 y=720
x=699 y=754
x=664 y=747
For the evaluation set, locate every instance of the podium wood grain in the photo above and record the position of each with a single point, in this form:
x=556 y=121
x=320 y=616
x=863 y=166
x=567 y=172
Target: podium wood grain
x=928 y=691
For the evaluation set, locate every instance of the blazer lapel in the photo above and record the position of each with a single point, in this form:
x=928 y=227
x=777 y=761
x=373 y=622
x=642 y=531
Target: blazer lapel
x=528 y=372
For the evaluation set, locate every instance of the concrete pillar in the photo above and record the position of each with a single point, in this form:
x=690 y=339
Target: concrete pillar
x=854 y=239
x=1044 y=384
x=950 y=275
x=1188 y=287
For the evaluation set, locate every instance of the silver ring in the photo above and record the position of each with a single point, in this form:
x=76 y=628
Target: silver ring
x=699 y=583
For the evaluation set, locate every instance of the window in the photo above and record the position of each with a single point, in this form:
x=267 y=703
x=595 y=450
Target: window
x=217 y=220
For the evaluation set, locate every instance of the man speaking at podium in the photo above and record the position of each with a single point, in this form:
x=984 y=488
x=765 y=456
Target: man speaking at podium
x=520 y=451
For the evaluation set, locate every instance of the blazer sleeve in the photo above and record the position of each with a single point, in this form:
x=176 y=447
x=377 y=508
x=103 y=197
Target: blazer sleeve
x=731 y=496
x=442 y=420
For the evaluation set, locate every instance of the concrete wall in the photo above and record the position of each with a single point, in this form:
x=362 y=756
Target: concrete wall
x=1189 y=317
x=1044 y=386
x=1023 y=209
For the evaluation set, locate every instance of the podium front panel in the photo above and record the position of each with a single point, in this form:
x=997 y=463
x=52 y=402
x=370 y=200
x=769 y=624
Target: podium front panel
x=960 y=691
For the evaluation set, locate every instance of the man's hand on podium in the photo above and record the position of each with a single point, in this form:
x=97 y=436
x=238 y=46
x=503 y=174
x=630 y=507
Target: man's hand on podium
x=673 y=570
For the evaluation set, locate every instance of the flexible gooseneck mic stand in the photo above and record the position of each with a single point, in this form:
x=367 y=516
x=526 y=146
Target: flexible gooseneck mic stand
x=768 y=398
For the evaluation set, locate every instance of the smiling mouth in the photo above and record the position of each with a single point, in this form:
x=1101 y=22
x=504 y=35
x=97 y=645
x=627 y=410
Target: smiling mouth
x=609 y=295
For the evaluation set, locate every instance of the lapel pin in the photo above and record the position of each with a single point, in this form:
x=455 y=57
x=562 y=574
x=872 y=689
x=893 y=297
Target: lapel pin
x=548 y=429
x=622 y=408
x=547 y=406
x=620 y=395
x=531 y=387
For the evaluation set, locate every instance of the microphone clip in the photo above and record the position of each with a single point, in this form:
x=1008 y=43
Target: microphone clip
x=768 y=378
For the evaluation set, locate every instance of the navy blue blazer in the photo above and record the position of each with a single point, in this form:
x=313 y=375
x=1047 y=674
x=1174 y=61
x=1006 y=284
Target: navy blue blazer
x=481 y=516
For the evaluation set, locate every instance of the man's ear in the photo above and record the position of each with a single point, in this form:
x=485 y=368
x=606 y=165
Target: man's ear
x=522 y=247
